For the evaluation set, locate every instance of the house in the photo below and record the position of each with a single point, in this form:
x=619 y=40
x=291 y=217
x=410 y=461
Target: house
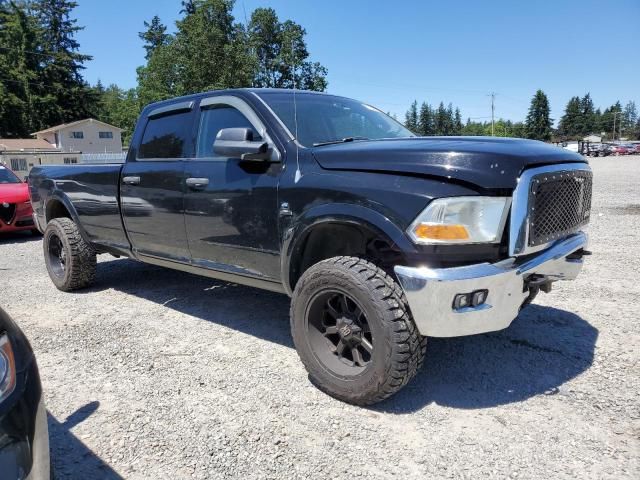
x=593 y=138
x=84 y=136
x=22 y=154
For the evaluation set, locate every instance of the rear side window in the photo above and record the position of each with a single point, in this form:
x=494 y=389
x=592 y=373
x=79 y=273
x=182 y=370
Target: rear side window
x=212 y=120
x=166 y=136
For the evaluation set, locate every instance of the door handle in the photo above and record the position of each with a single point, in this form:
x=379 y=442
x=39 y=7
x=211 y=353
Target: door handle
x=131 y=180
x=197 y=183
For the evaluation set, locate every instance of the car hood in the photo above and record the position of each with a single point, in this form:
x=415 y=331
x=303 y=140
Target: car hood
x=488 y=162
x=14 y=192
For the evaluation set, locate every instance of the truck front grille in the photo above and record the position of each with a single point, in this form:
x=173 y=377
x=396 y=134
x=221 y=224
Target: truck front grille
x=559 y=204
x=7 y=212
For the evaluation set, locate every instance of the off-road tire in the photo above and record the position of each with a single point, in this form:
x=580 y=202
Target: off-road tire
x=80 y=258
x=398 y=348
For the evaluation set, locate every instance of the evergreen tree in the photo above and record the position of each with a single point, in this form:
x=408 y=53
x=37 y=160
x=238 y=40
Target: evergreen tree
x=154 y=36
x=457 y=124
x=411 y=117
x=538 y=120
x=425 y=120
x=69 y=97
x=587 y=112
x=441 y=120
x=570 y=123
x=21 y=92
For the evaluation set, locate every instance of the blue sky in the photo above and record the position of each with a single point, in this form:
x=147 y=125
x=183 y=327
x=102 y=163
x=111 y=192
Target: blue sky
x=389 y=53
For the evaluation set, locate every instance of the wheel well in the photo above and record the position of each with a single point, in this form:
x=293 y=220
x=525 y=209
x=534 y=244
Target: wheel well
x=56 y=209
x=335 y=239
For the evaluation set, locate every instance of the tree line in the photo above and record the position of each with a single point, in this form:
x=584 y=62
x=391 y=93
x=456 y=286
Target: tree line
x=579 y=119
x=42 y=83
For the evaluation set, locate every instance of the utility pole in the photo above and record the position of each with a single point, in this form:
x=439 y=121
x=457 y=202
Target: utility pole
x=614 y=125
x=493 y=109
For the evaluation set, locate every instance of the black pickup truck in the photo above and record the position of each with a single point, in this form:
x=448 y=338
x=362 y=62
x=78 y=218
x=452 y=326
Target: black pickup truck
x=380 y=237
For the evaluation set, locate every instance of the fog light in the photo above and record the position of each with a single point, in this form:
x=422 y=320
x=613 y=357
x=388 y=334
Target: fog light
x=479 y=297
x=461 y=300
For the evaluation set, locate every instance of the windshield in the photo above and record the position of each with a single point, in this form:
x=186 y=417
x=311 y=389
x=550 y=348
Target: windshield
x=327 y=118
x=7 y=176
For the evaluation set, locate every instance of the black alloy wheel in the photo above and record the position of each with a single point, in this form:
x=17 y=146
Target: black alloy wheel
x=339 y=332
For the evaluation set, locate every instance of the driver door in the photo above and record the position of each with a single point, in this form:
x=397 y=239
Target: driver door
x=231 y=206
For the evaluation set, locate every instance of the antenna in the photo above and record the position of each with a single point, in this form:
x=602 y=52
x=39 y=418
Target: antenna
x=295 y=117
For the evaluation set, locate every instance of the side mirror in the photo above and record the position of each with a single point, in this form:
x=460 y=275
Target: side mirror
x=238 y=143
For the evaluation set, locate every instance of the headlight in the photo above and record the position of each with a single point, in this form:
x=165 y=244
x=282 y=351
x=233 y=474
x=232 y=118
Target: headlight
x=461 y=220
x=7 y=368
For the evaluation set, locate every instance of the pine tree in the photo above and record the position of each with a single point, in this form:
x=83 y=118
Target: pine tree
x=69 y=97
x=587 y=112
x=154 y=36
x=441 y=120
x=457 y=125
x=21 y=92
x=425 y=120
x=411 y=117
x=569 y=126
x=538 y=120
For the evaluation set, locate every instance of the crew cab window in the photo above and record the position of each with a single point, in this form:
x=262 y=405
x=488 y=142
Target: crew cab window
x=212 y=120
x=166 y=136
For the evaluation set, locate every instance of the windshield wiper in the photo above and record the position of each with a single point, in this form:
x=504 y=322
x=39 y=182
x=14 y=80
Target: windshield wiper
x=344 y=140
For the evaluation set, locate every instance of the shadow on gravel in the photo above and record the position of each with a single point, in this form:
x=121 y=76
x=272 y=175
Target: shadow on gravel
x=70 y=458
x=235 y=306
x=18 y=237
x=542 y=349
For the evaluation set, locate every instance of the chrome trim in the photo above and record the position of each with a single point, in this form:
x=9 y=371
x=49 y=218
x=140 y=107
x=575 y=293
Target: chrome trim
x=430 y=292
x=519 y=228
x=173 y=108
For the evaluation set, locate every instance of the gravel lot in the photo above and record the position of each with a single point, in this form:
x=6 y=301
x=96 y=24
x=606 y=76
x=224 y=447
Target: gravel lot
x=159 y=374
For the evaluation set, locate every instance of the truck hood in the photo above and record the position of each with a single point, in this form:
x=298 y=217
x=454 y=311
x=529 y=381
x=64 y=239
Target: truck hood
x=488 y=162
x=14 y=192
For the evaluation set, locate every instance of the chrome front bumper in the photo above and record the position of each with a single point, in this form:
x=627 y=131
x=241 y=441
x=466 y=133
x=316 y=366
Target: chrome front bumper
x=430 y=292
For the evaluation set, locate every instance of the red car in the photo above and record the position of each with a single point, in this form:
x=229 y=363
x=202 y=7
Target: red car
x=15 y=205
x=620 y=150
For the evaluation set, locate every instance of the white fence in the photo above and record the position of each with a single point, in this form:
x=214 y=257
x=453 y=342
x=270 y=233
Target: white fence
x=103 y=157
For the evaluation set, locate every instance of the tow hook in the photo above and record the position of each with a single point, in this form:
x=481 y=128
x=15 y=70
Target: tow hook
x=539 y=282
x=578 y=254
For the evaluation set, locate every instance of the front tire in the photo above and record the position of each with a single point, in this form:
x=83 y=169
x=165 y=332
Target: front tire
x=353 y=331
x=70 y=261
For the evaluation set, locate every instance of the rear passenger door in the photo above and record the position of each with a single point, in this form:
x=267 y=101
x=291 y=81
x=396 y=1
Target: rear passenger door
x=231 y=209
x=152 y=184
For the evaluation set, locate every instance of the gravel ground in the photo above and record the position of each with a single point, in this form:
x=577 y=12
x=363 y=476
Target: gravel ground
x=159 y=374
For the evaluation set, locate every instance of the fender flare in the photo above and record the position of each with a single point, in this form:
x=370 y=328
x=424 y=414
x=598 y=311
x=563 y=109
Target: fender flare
x=59 y=196
x=341 y=213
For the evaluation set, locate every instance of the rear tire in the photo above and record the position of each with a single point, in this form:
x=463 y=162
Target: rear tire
x=70 y=261
x=353 y=331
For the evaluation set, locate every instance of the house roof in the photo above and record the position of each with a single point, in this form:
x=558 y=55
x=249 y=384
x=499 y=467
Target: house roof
x=14 y=144
x=78 y=122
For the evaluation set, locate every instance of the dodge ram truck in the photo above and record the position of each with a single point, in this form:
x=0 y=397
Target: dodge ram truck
x=381 y=238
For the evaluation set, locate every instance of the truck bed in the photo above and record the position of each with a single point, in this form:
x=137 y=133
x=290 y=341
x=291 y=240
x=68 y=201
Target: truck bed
x=93 y=193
